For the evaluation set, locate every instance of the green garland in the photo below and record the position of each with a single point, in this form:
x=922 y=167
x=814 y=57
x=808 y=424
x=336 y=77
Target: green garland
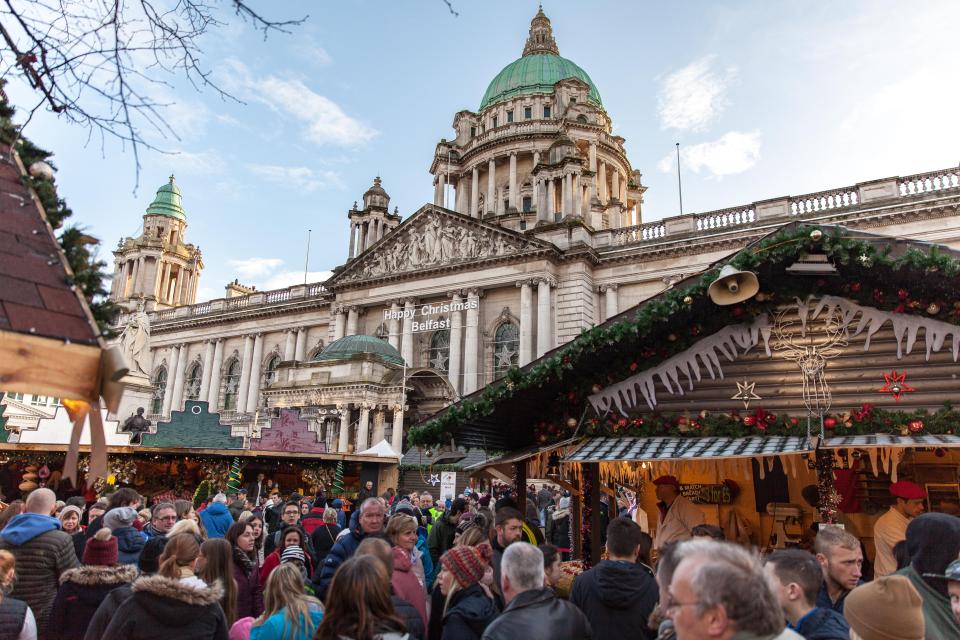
x=913 y=282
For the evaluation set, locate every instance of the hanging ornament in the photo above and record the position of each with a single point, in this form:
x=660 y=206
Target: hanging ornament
x=687 y=300
x=933 y=308
x=816 y=235
x=904 y=430
x=829 y=423
x=749 y=421
x=745 y=393
x=895 y=384
x=915 y=426
x=866 y=260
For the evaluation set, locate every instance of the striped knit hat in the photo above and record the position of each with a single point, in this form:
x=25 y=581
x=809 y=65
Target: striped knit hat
x=467 y=564
x=292 y=553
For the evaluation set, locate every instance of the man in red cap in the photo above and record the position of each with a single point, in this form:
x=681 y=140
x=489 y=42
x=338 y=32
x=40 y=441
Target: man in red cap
x=678 y=516
x=891 y=527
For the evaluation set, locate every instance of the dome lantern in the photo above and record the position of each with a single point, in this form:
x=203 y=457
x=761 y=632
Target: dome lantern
x=541 y=36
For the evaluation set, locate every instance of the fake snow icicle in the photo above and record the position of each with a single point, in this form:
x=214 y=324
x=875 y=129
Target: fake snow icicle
x=935 y=332
x=730 y=342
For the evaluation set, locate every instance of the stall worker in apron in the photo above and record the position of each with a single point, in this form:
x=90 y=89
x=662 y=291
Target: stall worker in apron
x=678 y=516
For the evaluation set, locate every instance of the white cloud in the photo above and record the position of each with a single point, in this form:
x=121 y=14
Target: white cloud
x=302 y=178
x=325 y=122
x=735 y=152
x=694 y=96
x=317 y=55
x=289 y=278
x=256 y=267
x=197 y=163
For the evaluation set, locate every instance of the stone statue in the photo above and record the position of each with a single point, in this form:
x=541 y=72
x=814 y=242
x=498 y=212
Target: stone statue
x=135 y=341
x=136 y=425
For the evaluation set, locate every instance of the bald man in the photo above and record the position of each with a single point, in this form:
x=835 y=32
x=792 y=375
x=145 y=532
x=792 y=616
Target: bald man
x=43 y=553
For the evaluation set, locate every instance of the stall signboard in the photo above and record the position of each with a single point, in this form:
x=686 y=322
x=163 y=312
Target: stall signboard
x=448 y=485
x=707 y=493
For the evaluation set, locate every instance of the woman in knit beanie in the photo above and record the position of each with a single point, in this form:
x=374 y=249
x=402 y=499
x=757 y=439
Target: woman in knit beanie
x=468 y=609
x=70 y=517
x=888 y=608
x=83 y=590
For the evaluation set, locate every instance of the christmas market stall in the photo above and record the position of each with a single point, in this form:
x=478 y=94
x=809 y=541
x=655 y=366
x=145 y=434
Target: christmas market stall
x=194 y=454
x=792 y=382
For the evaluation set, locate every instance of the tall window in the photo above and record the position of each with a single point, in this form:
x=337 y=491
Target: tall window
x=527 y=113
x=494 y=123
x=383 y=332
x=510 y=115
x=506 y=348
x=231 y=385
x=546 y=111
x=159 y=388
x=194 y=376
x=440 y=350
x=270 y=374
x=527 y=204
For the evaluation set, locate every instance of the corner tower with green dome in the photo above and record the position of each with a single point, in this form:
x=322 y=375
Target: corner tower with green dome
x=158 y=266
x=540 y=149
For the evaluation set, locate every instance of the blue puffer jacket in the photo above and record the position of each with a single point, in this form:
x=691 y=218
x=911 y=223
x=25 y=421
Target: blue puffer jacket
x=216 y=520
x=824 y=624
x=130 y=543
x=344 y=548
x=428 y=568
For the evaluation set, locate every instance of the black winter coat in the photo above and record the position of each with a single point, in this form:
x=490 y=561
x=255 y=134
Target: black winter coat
x=469 y=614
x=249 y=590
x=163 y=608
x=558 y=527
x=824 y=624
x=82 y=591
x=617 y=598
x=344 y=548
x=323 y=539
x=411 y=617
x=539 y=615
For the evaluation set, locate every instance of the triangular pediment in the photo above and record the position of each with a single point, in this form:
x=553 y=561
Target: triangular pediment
x=434 y=238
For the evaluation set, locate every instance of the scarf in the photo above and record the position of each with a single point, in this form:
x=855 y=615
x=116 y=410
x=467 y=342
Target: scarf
x=245 y=562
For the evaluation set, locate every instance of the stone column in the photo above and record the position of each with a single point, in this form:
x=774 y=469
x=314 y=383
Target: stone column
x=378 y=427
x=456 y=331
x=172 y=369
x=207 y=366
x=352 y=317
x=615 y=191
x=513 y=181
x=179 y=383
x=353 y=240
x=603 y=183
x=289 y=345
x=363 y=426
x=133 y=278
x=565 y=196
x=551 y=200
x=472 y=343
x=544 y=318
x=340 y=320
x=406 y=346
x=593 y=157
x=393 y=326
x=577 y=196
x=541 y=200
x=526 y=322
x=475 y=193
x=300 y=350
x=164 y=293
x=362 y=236
x=536 y=183
x=491 y=203
x=213 y=396
x=397 y=440
x=245 y=364
x=610 y=300
x=344 y=437
x=253 y=395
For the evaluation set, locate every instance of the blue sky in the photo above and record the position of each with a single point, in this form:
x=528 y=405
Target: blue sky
x=766 y=99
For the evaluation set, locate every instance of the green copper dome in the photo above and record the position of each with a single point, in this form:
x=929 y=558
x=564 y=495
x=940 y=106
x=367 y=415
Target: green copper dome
x=349 y=346
x=536 y=73
x=168 y=202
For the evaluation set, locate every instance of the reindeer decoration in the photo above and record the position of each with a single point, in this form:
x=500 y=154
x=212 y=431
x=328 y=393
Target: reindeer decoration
x=812 y=359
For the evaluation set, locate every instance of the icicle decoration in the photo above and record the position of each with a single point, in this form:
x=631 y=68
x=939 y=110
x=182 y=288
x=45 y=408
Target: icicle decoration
x=729 y=342
x=935 y=332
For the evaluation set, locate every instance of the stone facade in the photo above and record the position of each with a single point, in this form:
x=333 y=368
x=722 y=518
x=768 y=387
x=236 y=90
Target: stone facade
x=542 y=240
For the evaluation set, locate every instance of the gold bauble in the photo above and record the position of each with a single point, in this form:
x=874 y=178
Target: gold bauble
x=816 y=234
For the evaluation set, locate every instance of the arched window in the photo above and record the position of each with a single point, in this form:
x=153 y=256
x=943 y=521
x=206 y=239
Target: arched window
x=159 y=388
x=383 y=332
x=439 y=357
x=506 y=348
x=231 y=385
x=192 y=387
x=270 y=373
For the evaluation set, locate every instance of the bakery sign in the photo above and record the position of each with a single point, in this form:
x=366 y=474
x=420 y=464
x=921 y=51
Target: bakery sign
x=707 y=493
x=423 y=318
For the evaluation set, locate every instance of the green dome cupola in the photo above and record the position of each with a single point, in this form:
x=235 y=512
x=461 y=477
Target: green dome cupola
x=168 y=202
x=349 y=347
x=538 y=70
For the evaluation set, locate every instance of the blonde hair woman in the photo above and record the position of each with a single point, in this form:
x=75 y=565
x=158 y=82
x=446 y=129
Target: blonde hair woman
x=288 y=613
x=408 y=574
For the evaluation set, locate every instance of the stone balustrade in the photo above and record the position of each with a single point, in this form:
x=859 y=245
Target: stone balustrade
x=811 y=205
x=255 y=299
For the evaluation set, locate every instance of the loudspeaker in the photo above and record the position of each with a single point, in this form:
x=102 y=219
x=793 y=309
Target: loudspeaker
x=733 y=286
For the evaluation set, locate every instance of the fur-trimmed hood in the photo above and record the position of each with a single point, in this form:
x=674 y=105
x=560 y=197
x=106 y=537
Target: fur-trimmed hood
x=559 y=514
x=176 y=589
x=93 y=575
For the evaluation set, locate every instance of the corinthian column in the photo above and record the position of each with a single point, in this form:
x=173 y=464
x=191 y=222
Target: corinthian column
x=245 y=364
x=544 y=318
x=253 y=395
x=513 y=181
x=610 y=298
x=300 y=346
x=393 y=326
x=213 y=396
x=181 y=375
x=396 y=441
x=362 y=428
x=475 y=194
x=207 y=366
x=603 y=183
x=471 y=343
x=340 y=320
x=289 y=345
x=343 y=441
x=526 y=322
x=551 y=200
x=456 y=331
x=352 y=317
x=172 y=369
x=491 y=202
x=406 y=347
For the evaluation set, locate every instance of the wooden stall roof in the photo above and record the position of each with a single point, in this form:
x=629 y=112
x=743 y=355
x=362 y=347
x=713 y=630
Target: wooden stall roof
x=520 y=455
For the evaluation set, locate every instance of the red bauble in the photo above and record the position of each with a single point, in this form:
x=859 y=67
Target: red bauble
x=855 y=287
x=749 y=421
x=771 y=418
x=903 y=294
x=915 y=426
x=829 y=423
x=794 y=422
x=633 y=366
x=622 y=422
x=637 y=422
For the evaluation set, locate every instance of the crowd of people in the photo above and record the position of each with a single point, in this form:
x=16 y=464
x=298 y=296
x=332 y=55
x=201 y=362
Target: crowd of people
x=406 y=568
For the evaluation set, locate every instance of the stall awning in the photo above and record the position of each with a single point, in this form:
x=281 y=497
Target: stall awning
x=662 y=449
x=885 y=440
x=519 y=456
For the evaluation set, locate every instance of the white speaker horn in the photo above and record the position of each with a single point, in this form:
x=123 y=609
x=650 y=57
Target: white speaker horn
x=733 y=286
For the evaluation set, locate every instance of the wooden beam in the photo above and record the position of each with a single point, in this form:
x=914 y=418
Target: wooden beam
x=573 y=489
x=49 y=367
x=596 y=527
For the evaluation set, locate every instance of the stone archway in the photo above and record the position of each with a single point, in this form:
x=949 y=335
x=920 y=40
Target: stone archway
x=427 y=393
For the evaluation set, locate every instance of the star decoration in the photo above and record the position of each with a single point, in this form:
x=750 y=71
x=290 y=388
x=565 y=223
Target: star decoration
x=896 y=385
x=505 y=358
x=745 y=392
x=434 y=479
x=439 y=361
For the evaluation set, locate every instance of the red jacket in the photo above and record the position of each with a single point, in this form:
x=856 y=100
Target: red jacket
x=312 y=520
x=272 y=561
x=405 y=583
